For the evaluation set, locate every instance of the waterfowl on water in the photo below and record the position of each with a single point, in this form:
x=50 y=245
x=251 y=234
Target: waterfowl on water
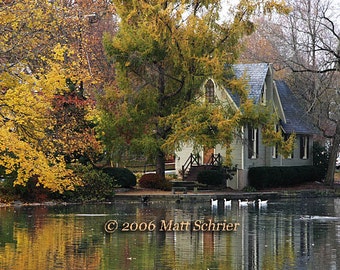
x=227 y=203
x=262 y=203
x=214 y=202
x=243 y=203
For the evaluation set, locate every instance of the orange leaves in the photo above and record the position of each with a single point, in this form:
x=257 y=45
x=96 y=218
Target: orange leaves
x=72 y=131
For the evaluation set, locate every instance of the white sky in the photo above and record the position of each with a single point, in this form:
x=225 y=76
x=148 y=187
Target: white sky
x=335 y=4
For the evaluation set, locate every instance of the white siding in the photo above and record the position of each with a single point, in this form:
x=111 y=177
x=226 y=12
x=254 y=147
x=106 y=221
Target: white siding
x=181 y=158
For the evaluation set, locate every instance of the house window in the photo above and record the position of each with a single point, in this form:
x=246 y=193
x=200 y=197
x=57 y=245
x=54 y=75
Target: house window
x=274 y=151
x=290 y=156
x=210 y=91
x=253 y=142
x=304 y=147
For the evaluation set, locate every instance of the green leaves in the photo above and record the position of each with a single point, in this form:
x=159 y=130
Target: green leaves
x=164 y=51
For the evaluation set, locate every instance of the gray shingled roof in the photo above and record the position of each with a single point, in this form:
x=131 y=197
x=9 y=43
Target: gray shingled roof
x=256 y=75
x=296 y=118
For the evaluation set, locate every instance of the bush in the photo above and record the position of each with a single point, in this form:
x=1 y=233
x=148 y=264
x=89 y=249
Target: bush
x=96 y=185
x=269 y=177
x=211 y=177
x=155 y=181
x=30 y=192
x=124 y=177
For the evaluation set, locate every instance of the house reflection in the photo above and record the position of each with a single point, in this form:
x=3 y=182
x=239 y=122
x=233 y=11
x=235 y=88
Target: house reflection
x=264 y=240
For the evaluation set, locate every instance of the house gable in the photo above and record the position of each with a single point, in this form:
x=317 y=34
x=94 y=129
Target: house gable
x=256 y=75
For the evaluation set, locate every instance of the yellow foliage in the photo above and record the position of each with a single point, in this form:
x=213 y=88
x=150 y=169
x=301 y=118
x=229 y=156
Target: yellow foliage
x=45 y=246
x=24 y=120
x=33 y=70
x=273 y=137
x=20 y=157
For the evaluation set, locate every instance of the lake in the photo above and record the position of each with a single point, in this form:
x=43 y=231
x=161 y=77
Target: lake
x=286 y=234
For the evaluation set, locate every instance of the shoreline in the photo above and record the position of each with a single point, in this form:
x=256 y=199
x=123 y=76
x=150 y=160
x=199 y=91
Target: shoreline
x=138 y=195
x=206 y=195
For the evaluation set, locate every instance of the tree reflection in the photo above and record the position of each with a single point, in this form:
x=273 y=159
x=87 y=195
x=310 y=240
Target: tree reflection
x=273 y=238
x=49 y=243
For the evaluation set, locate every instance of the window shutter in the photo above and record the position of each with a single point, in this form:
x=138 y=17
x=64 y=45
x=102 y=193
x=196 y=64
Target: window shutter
x=301 y=147
x=250 y=142
x=257 y=143
x=307 y=145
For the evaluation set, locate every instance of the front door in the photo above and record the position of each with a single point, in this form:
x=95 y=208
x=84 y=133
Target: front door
x=208 y=152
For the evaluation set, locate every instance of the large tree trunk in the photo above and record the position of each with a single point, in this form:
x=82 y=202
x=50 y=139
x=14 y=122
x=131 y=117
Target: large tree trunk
x=161 y=133
x=160 y=163
x=333 y=155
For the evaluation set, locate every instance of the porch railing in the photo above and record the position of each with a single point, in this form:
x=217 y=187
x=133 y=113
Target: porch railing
x=215 y=160
x=192 y=159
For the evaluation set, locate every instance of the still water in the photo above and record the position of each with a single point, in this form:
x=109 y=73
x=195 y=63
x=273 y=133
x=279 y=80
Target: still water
x=287 y=234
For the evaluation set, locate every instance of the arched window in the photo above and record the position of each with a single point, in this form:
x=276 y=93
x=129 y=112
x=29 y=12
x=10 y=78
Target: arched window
x=210 y=91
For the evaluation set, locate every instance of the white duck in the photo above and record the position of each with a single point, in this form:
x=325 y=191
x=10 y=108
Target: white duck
x=214 y=202
x=262 y=203
x=227 y=203
x=242 y=203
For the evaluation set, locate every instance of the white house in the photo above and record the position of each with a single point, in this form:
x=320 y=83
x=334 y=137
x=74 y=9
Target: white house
x=248 y=151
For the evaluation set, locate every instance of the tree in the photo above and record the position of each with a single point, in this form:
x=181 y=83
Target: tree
x=24 y=147
x=73 y=130
x=34 y=65
x=83 y=24
x=163 y=53
x=306 y=45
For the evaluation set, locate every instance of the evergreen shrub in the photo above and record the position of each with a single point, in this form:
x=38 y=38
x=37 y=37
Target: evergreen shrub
x=211 y=177
x=96 y=186
x=124 y=177
x=269 y=177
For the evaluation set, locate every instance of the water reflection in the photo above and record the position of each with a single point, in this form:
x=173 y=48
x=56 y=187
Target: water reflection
x=287 y=234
